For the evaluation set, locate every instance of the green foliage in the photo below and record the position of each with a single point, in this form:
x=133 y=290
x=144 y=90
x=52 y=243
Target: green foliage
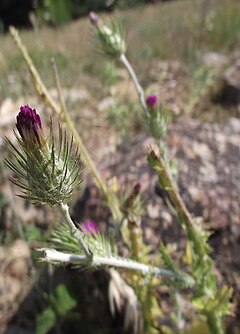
x=224 y=26
x=204 y=79
x=60 y=302
x=54 y=12
x=157 y=122
x=108 y=73
x=98 y=244
x=45 y=321
x=181 y=280
x=120 y=118
x=32 y=233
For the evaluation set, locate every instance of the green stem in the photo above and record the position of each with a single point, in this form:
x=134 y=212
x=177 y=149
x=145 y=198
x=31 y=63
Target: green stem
x=159 y=164
x=215 y=323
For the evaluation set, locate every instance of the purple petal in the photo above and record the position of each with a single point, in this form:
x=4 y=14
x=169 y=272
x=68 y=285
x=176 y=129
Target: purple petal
x=28 y=121
x=90 y=227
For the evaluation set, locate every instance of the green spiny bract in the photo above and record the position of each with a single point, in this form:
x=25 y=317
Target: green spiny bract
x=110 y=36
x=157 y=117
x=47 y=174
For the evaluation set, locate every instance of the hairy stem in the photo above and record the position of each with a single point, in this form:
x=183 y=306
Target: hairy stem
x=134 y=78
x=52 y=255
x=157 y=161
x=75 y=232
x=215 y=323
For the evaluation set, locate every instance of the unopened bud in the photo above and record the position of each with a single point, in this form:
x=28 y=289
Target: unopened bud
x=29 y=126
x=152 y=101
x=50 y=172
x=110 y=36
x=90 y=227
x=94 y=18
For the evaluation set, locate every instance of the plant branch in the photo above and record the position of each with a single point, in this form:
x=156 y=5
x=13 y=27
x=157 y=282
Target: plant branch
x=75 y=232
x=39 y=86
x=158 y=163
x=134 y=78
x=52 y=255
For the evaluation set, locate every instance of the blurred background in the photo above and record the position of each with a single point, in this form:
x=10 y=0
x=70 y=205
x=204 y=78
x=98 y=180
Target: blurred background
x=187 y=52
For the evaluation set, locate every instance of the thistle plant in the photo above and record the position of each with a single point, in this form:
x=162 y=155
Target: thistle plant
x=110 y=36
x=49 y=172
x=206 y=293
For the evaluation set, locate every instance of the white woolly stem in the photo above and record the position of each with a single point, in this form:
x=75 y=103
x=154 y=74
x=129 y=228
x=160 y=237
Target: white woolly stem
x=51 y=255
x=137 y=85
x=75 y=232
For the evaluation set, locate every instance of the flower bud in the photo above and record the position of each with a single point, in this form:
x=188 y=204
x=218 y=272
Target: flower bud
x=90 y=227
x=29 y=126
x=51 y=173
x=110 y=36
x=94 y=18
x=152 y=101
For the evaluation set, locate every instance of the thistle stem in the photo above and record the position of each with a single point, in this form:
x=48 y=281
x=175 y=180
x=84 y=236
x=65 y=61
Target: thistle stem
x=75 y=232
x=52 y=255
x=158 y=163
x=215 y=323
x=137 y=85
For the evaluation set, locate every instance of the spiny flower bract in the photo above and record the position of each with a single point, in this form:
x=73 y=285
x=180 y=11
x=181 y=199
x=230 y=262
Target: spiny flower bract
x=47 y=173
x=110 y=36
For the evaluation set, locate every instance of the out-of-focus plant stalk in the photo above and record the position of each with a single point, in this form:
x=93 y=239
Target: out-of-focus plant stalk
x=156 y=160
x=65 y=119
x=215 y=323
x=159 y=164
x=134 y=78
x=39 y=86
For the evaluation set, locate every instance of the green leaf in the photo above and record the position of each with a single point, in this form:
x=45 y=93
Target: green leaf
x=61 y=300
x=32 y=233
x=60 y=303
x=45 y=321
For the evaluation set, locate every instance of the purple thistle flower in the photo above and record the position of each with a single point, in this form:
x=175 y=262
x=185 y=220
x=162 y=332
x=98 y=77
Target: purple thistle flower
x=90 y=227
x=94 y=18
x=152 y=101
x=29 y=126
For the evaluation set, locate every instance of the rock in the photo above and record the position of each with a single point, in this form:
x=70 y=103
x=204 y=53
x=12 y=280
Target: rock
x=72 y=95
x=230 y=93
x=215 y=60
x=106 y=103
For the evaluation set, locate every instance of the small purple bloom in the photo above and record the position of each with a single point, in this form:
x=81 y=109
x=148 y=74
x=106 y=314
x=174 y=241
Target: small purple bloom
x=90 y=227
x=94 y=18
x=152 y=101
x=29 y=125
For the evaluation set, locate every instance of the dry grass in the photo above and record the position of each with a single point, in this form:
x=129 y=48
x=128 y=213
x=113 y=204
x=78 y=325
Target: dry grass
x=175 y=30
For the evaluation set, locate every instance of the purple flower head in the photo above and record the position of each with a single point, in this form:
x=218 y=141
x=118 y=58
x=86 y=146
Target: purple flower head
x=152 y=101
x=90 y=227
x=94 y=18
x=29 y=126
